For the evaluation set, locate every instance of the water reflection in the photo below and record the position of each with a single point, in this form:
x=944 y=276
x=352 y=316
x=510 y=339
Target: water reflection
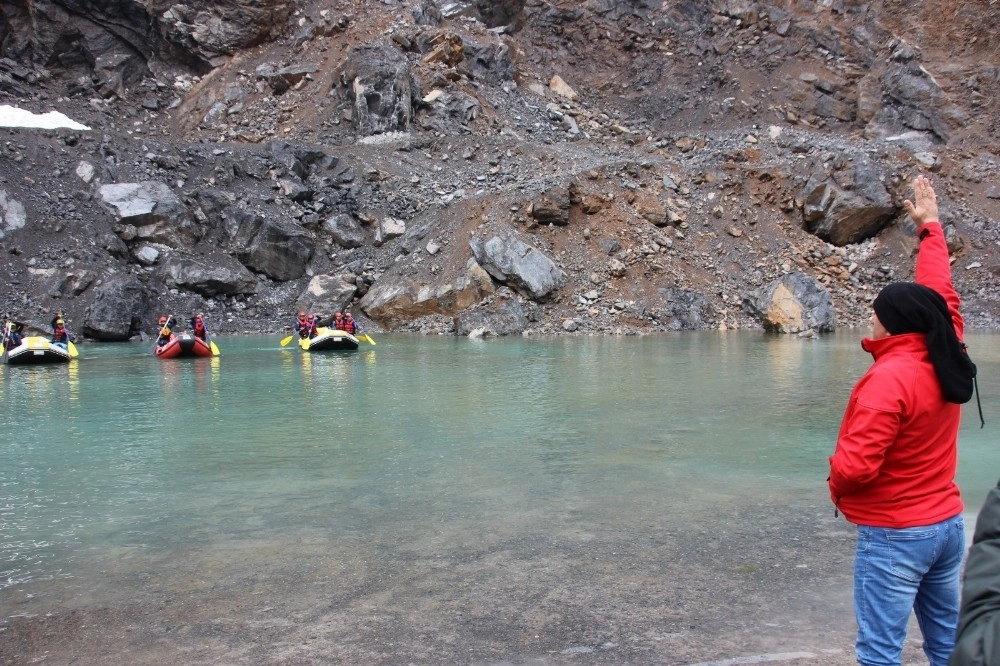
x=464 y=457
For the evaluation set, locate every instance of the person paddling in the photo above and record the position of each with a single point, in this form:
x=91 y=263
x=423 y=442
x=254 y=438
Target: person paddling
x=166 y=334
x=198 y=327
x=301 y=325
x=350 y=325
x=60 y=336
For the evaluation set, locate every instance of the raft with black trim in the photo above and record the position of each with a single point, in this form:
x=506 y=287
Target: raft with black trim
x=183 y=345
x=329 y=339
x=35 y=350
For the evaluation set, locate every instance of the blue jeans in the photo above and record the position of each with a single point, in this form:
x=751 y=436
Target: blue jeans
x=896 y=570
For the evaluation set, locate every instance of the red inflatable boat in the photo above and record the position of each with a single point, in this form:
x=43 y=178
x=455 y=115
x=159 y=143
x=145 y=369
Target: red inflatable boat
x=184 y=345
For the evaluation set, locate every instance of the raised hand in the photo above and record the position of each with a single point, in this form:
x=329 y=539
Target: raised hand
x=925 y=209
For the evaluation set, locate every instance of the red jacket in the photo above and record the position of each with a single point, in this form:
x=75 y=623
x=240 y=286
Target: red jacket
x=897 y=450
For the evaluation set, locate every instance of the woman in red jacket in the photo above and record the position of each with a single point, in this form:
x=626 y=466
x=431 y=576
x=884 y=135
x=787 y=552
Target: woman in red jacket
x=893 y=471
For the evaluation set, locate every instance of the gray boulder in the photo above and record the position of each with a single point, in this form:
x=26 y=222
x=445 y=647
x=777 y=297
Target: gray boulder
x=326 y=294
x=507 y=318
x=12 y=214
x=223 y=27
x=225 y=276
x=680 y=309
x=345 y=230
x=382 y=89
x=847 y=208
x=151 y=207
x=117 y=310
x=793 y=303
x=280 y=250
x=523 y=267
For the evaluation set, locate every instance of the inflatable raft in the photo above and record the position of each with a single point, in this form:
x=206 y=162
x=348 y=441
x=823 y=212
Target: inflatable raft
x=184 y=345
x=36 y=349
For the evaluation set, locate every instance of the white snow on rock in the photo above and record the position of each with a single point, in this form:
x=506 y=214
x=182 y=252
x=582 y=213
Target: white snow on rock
x=11 y=116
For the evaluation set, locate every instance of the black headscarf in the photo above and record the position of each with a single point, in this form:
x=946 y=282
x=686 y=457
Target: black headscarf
x=907 y=307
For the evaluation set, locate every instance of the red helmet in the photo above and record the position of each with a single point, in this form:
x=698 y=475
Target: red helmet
x=163 y=321
x=302 y=315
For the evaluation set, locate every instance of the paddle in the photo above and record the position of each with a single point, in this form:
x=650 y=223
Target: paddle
x=3 y=338
x=285 y=341
x=367 y=338
x=211 y=343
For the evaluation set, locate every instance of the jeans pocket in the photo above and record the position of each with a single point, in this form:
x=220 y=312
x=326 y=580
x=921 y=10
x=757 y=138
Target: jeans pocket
x=912 y=551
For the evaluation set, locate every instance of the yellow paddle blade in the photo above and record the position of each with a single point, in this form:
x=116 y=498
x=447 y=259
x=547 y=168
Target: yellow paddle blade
x=285 y=341
x=304 y=343
x=215 y=349
x=368 y=338
x=71 y=348
x=1 y=349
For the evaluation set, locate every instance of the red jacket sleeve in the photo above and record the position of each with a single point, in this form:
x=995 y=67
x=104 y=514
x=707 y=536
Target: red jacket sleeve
x=934 y=270
x=869 y=428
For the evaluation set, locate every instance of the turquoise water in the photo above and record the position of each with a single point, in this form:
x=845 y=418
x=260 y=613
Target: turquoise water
x=121 y=468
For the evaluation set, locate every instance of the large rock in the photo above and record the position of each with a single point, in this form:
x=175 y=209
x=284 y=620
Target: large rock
x=506 y=318
x=393 y=302
x=222 y=27
x=680 y=309
x=151 y=207
x=908 y=98
x=326 y=294
x=792 y=304
x=849 y=206
x=381 y=87
x=275 y=248
x=552 y=207
x=523 y=267
x=345 y=230
x=117 y=310
x=12 y=214
x=225 y=277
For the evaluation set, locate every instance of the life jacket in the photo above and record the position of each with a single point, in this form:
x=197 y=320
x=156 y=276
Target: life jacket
x=60 y=335
x=338 y=323
x=350 y=326
x=199 y=328
x=308 y=329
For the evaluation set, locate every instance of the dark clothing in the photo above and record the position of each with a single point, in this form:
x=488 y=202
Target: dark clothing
x=978 y=638
x=908 y=307
x=60 y=336
x=14 y=338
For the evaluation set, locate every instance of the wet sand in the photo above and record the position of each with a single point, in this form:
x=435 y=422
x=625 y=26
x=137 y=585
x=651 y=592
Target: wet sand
x=769 y=586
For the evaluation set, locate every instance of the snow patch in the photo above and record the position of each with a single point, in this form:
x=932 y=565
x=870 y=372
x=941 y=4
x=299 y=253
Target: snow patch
x=11 y=116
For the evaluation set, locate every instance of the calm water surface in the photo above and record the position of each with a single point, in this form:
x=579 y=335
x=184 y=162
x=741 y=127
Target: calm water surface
x=119 y=466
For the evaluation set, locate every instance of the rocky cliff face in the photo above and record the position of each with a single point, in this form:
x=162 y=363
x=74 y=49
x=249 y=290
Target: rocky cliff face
x=482 y=167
